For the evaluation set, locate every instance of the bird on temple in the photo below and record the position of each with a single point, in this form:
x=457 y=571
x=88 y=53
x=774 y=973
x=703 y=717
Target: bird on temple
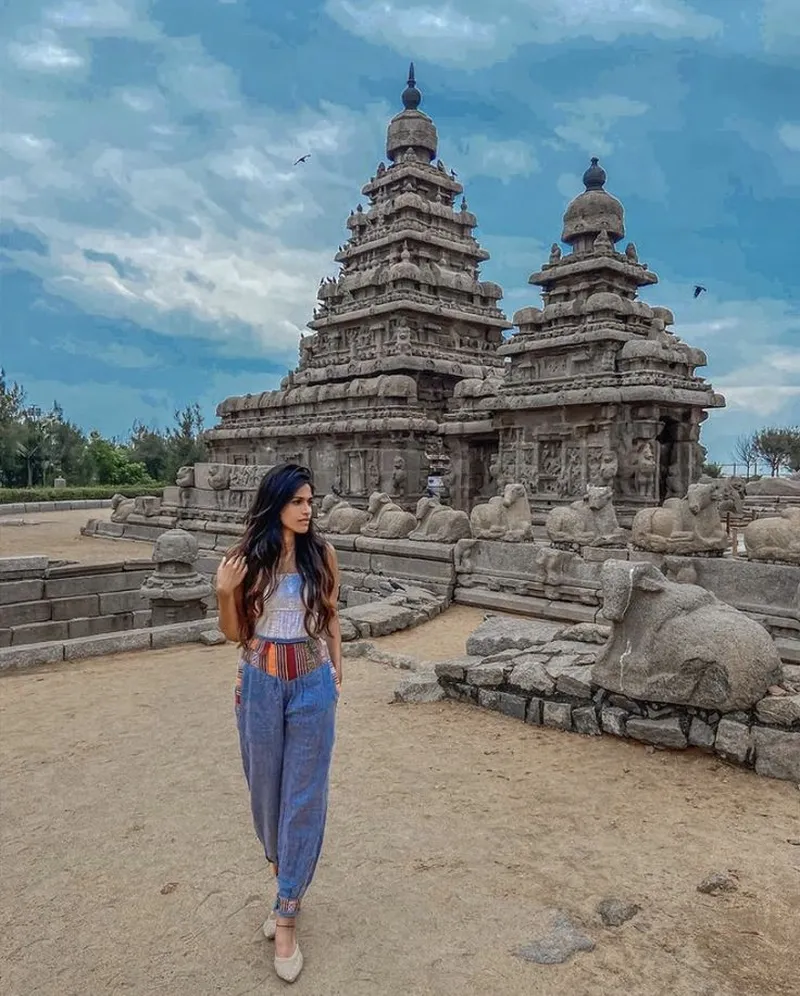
x=302 y=159
x=698 y=290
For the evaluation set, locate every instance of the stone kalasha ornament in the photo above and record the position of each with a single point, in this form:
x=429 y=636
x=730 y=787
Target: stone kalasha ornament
x=679 y=644
x=387 y=520
x=591 y=521
x=506 y=518
x=337 y=515
x=776 y=538
x=175 y=589
x=436 y=523
x=689 y=525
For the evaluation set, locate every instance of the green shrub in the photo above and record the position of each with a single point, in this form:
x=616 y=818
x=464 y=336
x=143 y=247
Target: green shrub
x=13 y=496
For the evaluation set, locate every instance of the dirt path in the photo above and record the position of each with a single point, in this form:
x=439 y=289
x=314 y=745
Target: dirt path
x=130 y=865
x=58 y=535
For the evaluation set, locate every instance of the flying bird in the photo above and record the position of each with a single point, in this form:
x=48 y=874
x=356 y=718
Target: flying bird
x=698 y=290
x=302 y=159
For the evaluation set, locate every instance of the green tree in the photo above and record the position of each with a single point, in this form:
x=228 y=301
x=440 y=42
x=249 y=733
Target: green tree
x=185 y=443
x=712 y=469
x=775 y=446
x=111 y=463
x=150 y=447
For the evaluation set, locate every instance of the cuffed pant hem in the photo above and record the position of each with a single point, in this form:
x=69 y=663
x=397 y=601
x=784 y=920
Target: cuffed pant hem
x=288 y=908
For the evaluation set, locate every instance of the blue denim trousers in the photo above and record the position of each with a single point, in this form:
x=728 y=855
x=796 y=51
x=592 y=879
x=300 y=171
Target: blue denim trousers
x=286 y=735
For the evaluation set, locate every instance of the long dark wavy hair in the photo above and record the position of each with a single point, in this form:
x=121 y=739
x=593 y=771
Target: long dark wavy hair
x=262 y=544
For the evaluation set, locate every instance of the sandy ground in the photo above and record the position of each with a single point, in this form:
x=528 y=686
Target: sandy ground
x=58 y=535
x=129 y=863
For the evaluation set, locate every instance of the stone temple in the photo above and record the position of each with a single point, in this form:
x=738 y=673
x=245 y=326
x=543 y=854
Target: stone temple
x=408 y=371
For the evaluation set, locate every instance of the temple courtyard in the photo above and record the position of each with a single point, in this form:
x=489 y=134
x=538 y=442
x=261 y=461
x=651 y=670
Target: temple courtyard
x=130 y=865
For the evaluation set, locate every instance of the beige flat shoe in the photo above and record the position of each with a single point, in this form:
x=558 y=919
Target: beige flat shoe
x=269 y=926
x=290 y=968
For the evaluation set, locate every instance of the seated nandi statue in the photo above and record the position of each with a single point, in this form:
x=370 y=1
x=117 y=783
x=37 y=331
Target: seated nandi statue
x=437 y=523
x=776 y=538
x=185 y=477
x=121 y=508
x=387 y=520
x=683 y=526
x=506 y=517
x=590 y=521
x=337 y=515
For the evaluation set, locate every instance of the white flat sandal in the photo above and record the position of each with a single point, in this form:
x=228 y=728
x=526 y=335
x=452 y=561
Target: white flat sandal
x=290 y=968
x=270 y=925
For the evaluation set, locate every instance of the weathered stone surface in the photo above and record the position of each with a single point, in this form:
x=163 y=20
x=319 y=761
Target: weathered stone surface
x=31 y=655
x=123 y=601
x=557 y=715
x=533 y=714
x=530 y=675
x=512 y=705
x=488 y=698
x=20 y=591
x=589 y=522
x=677 y=643
x=213 y=638
x=348 y=629
x=700 y=733
x=683 y=525
x=556 y=939
x=615 y=912
x=791 y=677
x=25 y=613
x=596 y=633
x=503 y=633
x=734 y=740
x=716 y=883
x=779 y=710
x=575 y=681
x=79 y=606
x=100 y=625
x=777 y=753
x=43 y=632
x=661 y=732
x=455 y=668
x=584 y=720
x=613 y=720
x=20 y=568
x=177 y=634
x=99 y=646
x=486 y=675
x=419 y=688
x=774 y=538
x=92 y=583
x=379 y=618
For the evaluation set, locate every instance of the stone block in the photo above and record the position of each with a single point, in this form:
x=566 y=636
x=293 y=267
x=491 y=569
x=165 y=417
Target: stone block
x=613 y=720
x=575 y=681
x=21 y=591
x=100 y=625
x=408 y=567
x=534 y=711
x=379 y=618
x=512 y=705
x=661 y=732
x=486 y=675
x=557 y=715
x=700 y=733
x=353 y=560
x=734 y=740
x=21 y=568
x=24 y=613
x=455 y=668
x=76 y=607
x=790 y=675
x=123 y=601
x=584 y=720
x=13 y=508
x=409 y=549
x=779 y=710
x=31 y=655
x=180 y=633
x=777 y=753
x=488 y=699
x=112 y=643
x=502 y=633
x=95 y=583
x=461 y=692
x=5 y=637
x=530 y=675
x=141 y=618
x=598 y=554
x=42 y=632
x=419 y=688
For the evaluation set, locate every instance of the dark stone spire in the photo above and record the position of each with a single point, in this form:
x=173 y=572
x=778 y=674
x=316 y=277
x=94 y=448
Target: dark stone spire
x=595 y=176
x=411 y=95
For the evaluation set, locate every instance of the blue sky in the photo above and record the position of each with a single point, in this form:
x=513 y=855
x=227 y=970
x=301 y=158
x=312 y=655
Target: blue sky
x=157 y=247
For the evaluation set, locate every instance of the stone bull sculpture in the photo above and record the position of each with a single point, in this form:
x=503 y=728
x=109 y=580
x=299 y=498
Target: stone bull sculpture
x=436 y=523
x=387 y=520
x=338 y=516
x=677 y=643
x=776 y=538
x=506 y=518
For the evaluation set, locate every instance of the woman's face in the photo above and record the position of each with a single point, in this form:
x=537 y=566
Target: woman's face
x=296 y=515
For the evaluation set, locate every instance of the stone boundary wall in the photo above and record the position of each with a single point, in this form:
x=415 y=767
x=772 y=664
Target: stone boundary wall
x=41 y=602
x=427 y=565
x=544 y=677
x=23 y=508
x=157 y=638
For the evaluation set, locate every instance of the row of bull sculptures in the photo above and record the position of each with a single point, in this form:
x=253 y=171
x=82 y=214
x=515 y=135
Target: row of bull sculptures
x=690 y=526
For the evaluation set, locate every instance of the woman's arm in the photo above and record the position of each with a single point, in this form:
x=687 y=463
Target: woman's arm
x=333 y=637
x=230 y=601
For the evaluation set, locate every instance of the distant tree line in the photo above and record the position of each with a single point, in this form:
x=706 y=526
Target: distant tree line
x=777 y=447
x=38 y=446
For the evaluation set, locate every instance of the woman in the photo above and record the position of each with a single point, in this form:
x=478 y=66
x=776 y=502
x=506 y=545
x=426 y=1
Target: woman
x=277 y=592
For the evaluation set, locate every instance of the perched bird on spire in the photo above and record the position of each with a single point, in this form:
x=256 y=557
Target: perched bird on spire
x=302 y=159
x=698 y=290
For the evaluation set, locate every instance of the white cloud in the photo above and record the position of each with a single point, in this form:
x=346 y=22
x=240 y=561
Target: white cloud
x=590 y=119
x=482 y=155
x=45 y=54
x=780 y=27
x=460 y=31
x=789 y=134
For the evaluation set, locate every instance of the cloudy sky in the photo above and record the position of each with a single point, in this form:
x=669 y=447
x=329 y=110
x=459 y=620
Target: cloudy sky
x=157 y=246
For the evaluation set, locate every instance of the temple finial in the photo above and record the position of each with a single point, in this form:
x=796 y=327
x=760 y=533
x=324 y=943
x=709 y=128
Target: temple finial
x=595 y=176
x=411 y=95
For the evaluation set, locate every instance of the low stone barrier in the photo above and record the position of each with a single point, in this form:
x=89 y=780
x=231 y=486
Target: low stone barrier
x=24 y=508
x=542 y=674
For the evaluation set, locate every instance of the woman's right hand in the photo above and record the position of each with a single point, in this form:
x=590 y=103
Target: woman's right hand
x=230 y=573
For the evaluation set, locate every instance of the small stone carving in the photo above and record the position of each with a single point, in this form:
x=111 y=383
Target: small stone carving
x=630 y=252
x=373 y=476
x=506 y=518
x=591 y=521
x=645 y=469
x=776 y=538
x=121 y=508
x=337 y=515
x=436 y=523
x=175 y=589
x=387 y=520
x=185 y=477
x=399 y=476
x=608 y=470
x=147 y=505
x=219 y=476
x=677 y=643
x=689 y=525
x=555 y=252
